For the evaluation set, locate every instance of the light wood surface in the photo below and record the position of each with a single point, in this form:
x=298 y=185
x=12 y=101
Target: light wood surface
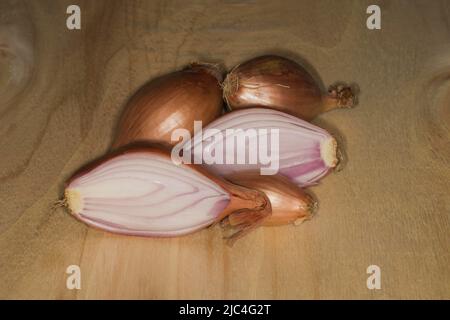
x=61 y=92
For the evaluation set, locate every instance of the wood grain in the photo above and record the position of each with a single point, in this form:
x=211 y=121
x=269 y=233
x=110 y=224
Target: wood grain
x=61 y=92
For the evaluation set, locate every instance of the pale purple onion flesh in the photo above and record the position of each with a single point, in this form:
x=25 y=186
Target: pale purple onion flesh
x=306 y=152
x=145 y=194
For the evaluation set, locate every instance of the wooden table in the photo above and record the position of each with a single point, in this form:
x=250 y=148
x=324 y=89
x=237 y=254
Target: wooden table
x=61 y=92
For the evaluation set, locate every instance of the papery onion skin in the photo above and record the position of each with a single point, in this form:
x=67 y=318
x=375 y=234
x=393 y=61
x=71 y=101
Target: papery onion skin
x=306 y=152
x=290 y=204
x=119 y=193
x=282 y=84
x=170 y=102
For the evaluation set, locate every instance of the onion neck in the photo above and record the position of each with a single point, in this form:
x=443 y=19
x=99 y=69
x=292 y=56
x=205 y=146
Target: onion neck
x=230 y=86
x=210 y=68
x=247 y=210
x=311 y=207
x=338 y=96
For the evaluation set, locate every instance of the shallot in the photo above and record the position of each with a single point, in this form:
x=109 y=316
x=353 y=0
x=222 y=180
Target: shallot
x=140 y=191
x=282 y=84
x=303 y=152
x=290 y=204
x=169 y=102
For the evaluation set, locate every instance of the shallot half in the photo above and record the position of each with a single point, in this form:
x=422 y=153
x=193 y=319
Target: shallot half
x=169 y=102
x=268 y=140
x=140 y=191
x=282 y=84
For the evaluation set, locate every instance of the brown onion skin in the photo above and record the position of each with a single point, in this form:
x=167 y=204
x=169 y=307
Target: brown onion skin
x=282 y=84
x=169 y=102
x=248 y=207
x=290 y=204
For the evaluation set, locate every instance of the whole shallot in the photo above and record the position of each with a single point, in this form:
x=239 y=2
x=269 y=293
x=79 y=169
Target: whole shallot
x=169 y=102
x=290 y=204
x=282 y=84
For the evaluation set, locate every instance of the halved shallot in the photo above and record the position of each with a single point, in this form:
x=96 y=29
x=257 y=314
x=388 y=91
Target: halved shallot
x=276 y=141
x=140 y=191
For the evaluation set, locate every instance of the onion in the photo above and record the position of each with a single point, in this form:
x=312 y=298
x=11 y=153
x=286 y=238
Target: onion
x=282 y=84
x=139 y=191
x=170 y=102
x=290 y=204
x=306 y=153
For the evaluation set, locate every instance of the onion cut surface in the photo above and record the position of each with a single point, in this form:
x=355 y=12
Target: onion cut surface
x=306 y=152
x=142 y=192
